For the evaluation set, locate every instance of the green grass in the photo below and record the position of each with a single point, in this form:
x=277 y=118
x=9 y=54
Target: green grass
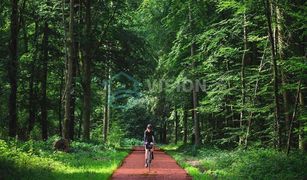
x=37 y=160
x=213 y=163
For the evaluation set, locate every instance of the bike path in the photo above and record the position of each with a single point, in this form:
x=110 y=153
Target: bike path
x=163 y=167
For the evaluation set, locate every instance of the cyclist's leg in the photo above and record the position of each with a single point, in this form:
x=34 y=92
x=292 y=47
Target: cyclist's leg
x=152 y=152
x=146 y=151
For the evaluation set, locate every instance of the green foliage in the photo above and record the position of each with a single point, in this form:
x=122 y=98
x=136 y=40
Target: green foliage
x=212 y=163
x=37 y=160
x=116 y=135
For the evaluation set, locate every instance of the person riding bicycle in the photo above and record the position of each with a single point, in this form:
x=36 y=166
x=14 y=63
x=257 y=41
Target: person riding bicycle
x=149 y=141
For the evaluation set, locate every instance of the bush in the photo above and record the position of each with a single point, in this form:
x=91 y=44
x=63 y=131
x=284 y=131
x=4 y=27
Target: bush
x=38 y=160
x=240 y=164
x=130 y=142
x=116 y=135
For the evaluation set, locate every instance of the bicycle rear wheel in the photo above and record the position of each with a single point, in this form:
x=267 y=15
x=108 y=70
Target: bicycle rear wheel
x=149 y=159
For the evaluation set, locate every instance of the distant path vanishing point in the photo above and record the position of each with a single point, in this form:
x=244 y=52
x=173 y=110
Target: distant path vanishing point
x=163 y=167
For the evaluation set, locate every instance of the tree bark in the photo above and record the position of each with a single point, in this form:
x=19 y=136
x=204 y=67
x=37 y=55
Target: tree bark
x=44 y=105
x=194 y=93
x=164 y=130
x=176 y=125
x=60 y=105
x=73 y=98
x=106 y=108
x=69 y=72
x=185 y=126
x=293 y=117
x=87 y=72
x=280 y=50
x=12 y=69
x=243 y=94
x=277 y=138
x=302 y=144
x=32 y=92
x=249 y=124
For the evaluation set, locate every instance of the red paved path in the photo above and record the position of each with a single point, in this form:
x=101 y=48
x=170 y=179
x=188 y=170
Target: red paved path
x=163 y=167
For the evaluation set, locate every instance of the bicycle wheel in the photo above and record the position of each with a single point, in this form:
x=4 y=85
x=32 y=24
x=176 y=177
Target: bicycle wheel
x=149 y=159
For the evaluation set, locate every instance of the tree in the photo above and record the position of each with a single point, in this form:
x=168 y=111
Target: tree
x=13 y=68
x=275 y=75
x=87 y=72
x=194 y=93
x=44 y=104
x=69 y=72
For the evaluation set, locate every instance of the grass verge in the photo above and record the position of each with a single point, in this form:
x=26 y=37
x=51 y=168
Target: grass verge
x=37 y=160
x=214 y=163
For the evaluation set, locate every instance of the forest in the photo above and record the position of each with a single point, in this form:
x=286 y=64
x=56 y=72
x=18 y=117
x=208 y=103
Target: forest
x=223 y=82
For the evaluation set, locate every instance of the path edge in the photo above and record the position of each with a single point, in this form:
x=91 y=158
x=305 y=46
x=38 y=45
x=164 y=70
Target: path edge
x=121 y=163
x=188 y=175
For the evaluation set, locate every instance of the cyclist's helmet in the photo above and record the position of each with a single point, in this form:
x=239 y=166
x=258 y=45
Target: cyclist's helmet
x=149 y=126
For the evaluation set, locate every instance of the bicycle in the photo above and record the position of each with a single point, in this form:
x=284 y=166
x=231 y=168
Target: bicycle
x=149 y=155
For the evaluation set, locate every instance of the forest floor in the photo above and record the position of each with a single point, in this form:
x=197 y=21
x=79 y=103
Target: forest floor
x=37 y=160
x=209 y=162
x=163 y=167
x=90 y=160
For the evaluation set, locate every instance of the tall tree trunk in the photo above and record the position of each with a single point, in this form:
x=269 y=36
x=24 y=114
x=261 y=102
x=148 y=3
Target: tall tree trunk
x=87 y=72
x=12 y=69
x=106 y=107
x=80 y=125
x=44 y=122
x=73 y=99
x=176 y=125
x=161 y=132
x=194 y=93
x=280 y=50
x=249 y=124
x=302 y=144
x=32 y=117
x=185 y=125
x=60 y=105
x=243 y=94
x=32 y=93
x=277 y=138
x=164 y=131
x=228 y=98
x=293 y=117
x=69 y=72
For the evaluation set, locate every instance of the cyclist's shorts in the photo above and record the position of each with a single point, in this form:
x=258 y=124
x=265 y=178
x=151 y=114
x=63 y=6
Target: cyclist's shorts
x=148 y=146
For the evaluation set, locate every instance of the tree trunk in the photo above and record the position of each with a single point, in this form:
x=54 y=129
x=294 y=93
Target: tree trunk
x=176 y=125
x=293 y=117
x=32 y=92
x=69 y=72
x=73 y=94
x=248 y=129
x=106 y=109
x=44 y=105
x=302 y=144
x=80 y=125
x=164 y=131
x=277 y=138
x=194 y=93
x=87 y=72
x=280 y=50
x=60 y=105
x=185 y=126
x=32 y=117
x=12 y=69
x=243 y=77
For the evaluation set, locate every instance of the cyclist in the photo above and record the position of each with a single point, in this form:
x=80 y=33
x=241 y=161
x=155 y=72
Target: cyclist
x=148 y=141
